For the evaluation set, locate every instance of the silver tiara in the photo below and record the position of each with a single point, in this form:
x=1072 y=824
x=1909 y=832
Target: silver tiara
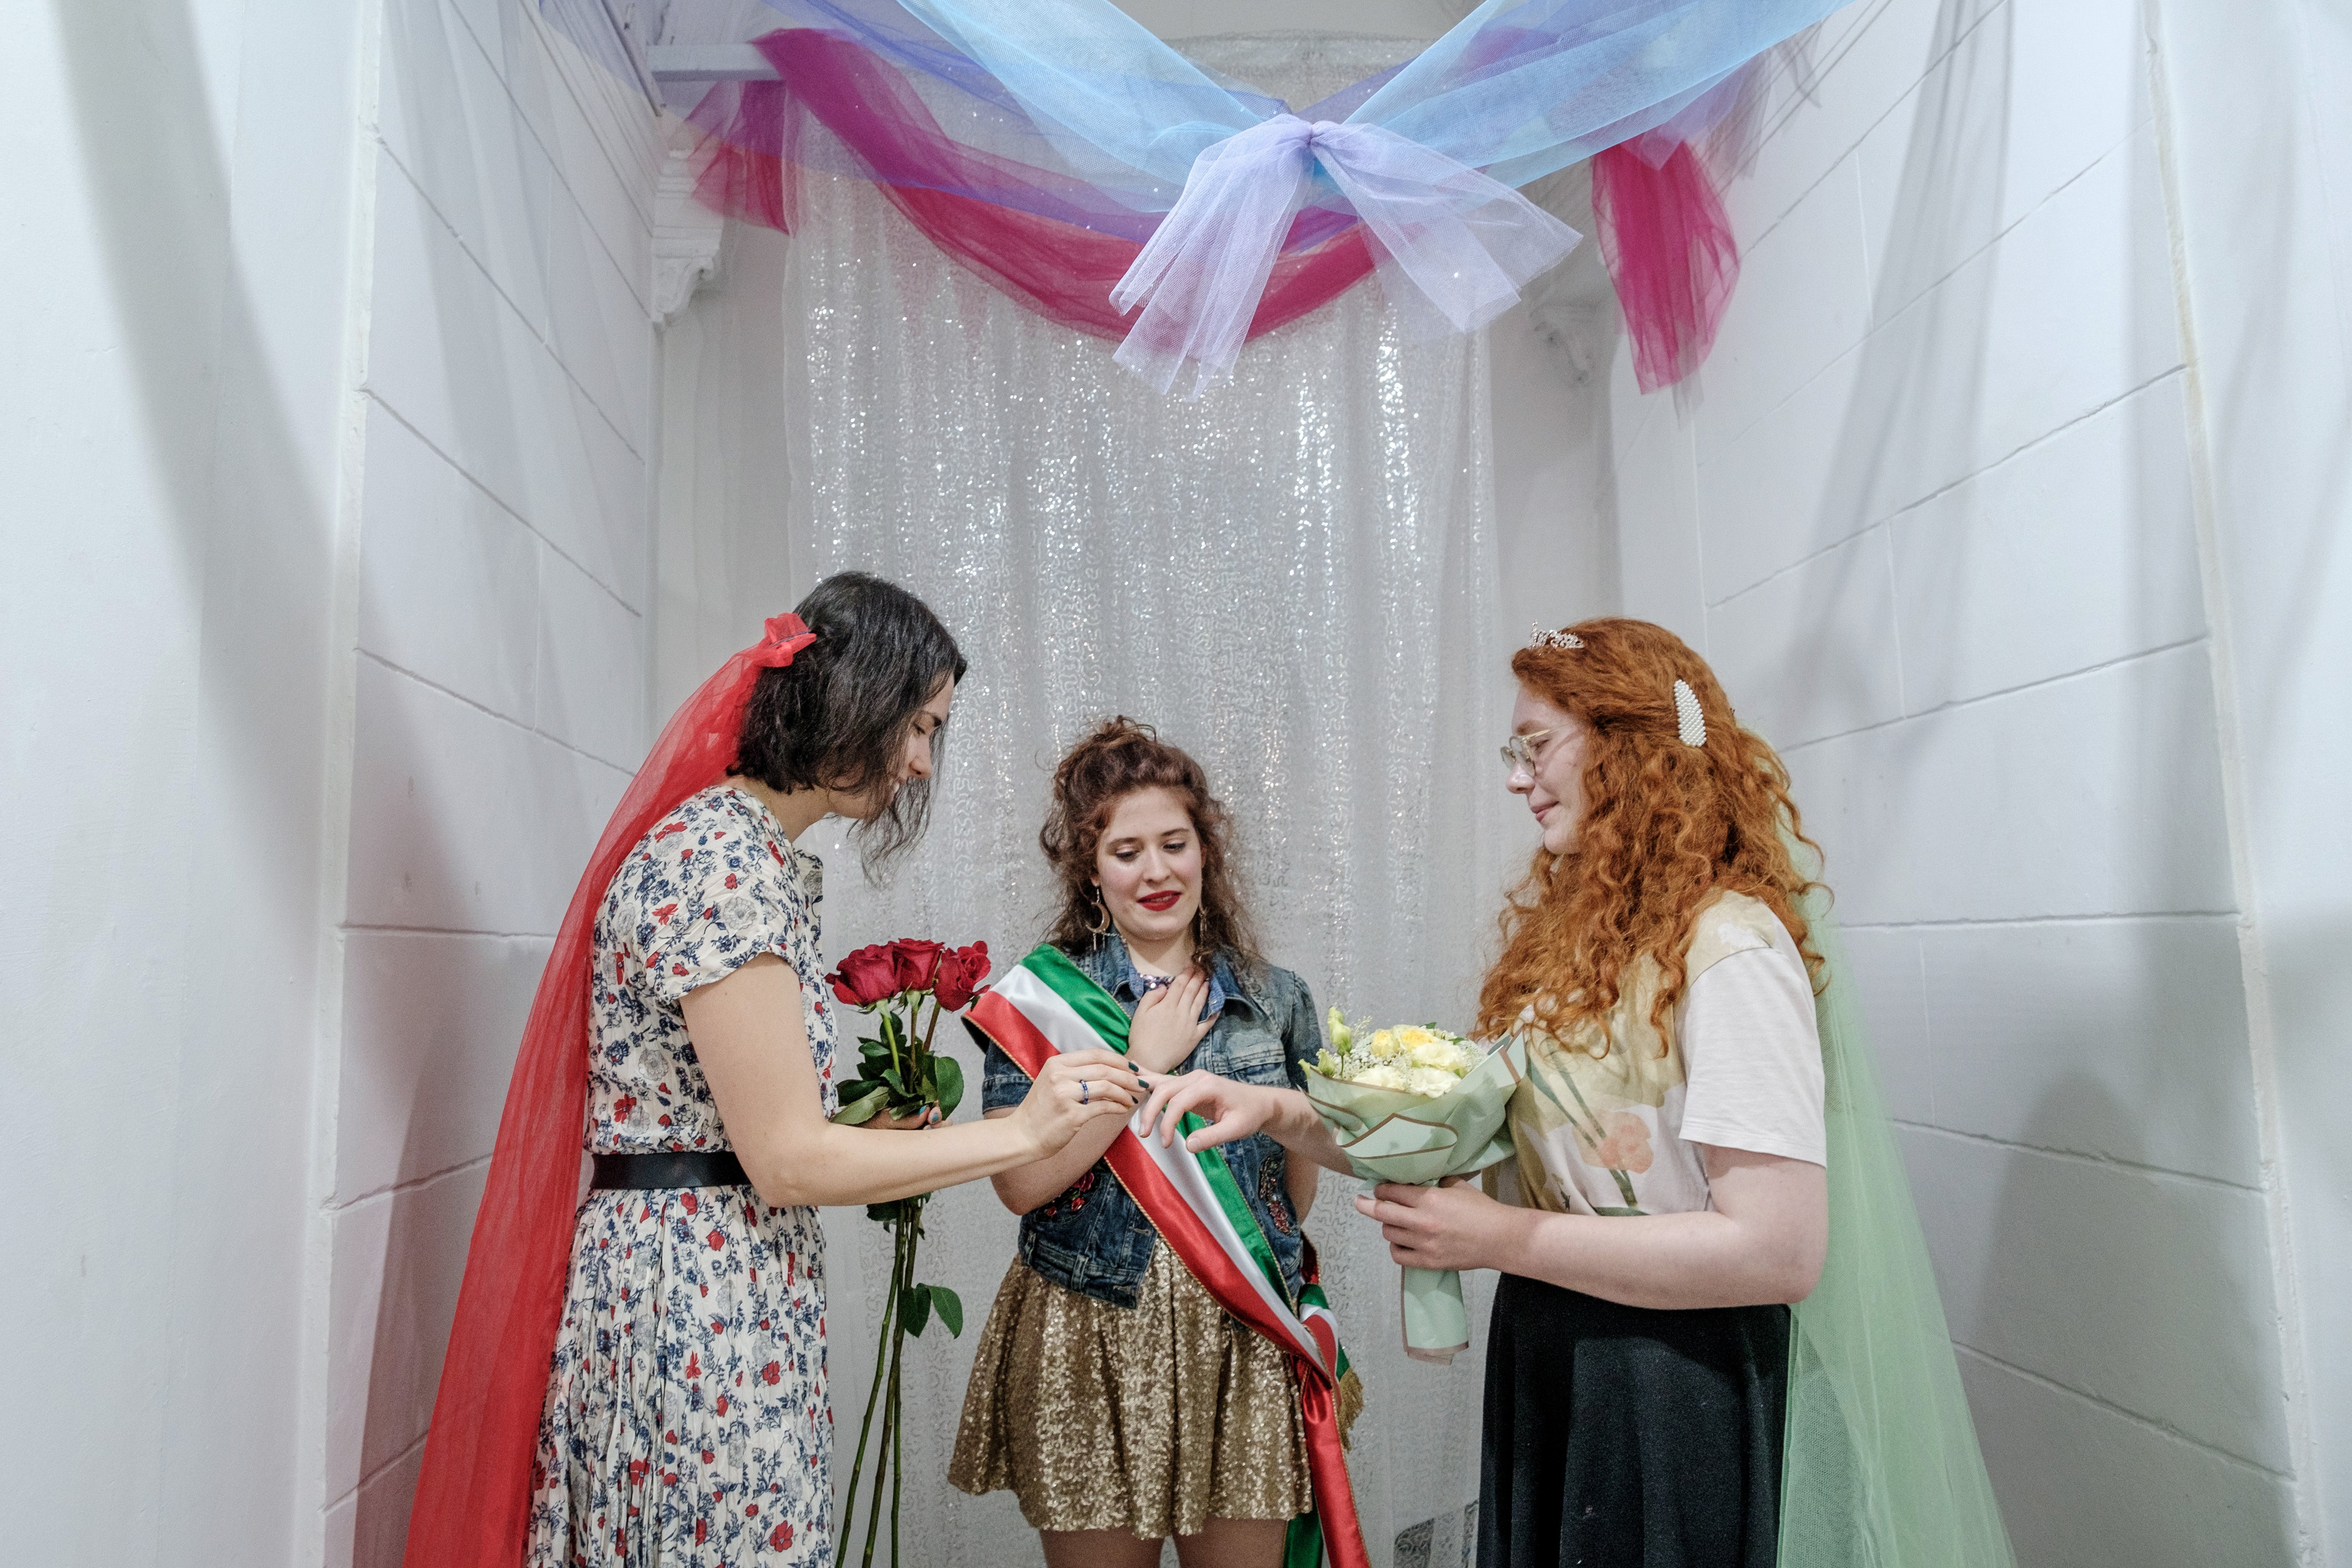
x=1543 y=638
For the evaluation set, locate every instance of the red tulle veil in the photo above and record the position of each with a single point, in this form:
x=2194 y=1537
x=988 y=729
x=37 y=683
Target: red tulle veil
x=473 y=1498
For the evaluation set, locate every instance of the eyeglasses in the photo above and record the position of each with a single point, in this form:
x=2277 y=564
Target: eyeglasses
x=1521 y=750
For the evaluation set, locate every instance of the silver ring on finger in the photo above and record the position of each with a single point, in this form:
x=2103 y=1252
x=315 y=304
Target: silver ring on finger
x=1084 y=1091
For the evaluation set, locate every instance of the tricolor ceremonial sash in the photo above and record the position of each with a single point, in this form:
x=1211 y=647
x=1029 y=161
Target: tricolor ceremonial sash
x=1047 y=1006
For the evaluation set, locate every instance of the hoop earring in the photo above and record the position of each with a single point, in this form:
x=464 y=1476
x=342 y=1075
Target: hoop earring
x=1104 y=929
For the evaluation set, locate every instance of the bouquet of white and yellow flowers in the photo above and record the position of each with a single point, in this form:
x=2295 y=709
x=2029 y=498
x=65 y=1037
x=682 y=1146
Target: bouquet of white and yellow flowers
x=1418 y=1104
x=1427 y=1060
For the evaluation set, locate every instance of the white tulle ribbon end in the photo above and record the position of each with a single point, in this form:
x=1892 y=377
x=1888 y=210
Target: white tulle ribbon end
x=1450 y=240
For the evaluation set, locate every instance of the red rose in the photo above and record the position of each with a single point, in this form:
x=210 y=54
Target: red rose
x=918 y=962
x=960 y=974
x=866 y=976
x=773 y=1373
x=686 y=1202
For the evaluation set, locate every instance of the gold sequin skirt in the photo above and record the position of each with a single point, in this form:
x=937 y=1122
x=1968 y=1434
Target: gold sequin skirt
x=1151 y=1420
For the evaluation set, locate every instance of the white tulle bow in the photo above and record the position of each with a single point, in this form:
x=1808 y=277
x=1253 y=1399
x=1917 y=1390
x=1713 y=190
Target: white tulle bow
x=1447 y=238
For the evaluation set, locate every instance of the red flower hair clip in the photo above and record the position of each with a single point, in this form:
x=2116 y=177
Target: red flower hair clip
x=787 y=635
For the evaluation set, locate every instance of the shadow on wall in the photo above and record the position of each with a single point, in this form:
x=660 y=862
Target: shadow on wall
x=2117 y=1318
x=1908 y=423
x=2168 y=1351
x=468 y=823
x=250 y=525
x=423 y=1077
x=411 y=1075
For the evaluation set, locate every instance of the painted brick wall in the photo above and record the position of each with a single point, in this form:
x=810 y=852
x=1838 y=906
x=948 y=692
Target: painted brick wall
x=1931 y=519
x=499 y=699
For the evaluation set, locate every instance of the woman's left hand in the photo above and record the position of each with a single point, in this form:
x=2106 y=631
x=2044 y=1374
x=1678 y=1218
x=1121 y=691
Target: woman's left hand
x=1455 y=1226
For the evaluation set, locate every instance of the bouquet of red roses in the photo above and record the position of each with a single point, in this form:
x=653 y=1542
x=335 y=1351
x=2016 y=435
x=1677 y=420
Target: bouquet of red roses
x=907 y=986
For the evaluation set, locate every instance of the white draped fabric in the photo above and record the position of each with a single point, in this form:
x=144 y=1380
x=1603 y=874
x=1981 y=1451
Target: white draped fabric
x=1294 y=578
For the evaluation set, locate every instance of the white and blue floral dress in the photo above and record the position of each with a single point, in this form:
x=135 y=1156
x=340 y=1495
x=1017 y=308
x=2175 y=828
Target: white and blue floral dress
x=687 y=1420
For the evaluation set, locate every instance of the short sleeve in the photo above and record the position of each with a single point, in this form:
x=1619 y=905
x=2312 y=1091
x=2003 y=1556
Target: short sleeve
x=1002 y=1081
x=1753 y=1057
x=726 y=910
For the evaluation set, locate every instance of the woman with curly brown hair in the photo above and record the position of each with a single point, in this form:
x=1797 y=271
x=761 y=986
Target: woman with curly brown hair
x=1669 y=1192
x=1111 y=1392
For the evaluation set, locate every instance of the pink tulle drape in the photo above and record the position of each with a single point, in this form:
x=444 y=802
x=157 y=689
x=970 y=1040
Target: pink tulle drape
x=1670 y=252
x=978 y=207
x=1060 y=246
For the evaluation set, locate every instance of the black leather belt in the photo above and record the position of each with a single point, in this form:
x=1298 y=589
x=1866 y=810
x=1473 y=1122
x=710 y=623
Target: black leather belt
x=644 y=1173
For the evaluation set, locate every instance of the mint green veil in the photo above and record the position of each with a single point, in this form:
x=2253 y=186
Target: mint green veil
x=1881 y=1467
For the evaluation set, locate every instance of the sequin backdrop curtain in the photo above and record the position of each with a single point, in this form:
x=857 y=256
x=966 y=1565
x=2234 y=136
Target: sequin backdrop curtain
x=1294 y=578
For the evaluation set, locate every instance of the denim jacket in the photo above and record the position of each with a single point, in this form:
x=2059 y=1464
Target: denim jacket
x=1093 y=1238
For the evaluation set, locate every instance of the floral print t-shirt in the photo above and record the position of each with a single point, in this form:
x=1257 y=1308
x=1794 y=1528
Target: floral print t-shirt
x=687 y=1420
x=1610 y=1120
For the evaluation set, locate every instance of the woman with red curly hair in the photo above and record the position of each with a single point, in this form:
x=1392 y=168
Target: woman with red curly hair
x=1669 y=1195
x=1670 y=1182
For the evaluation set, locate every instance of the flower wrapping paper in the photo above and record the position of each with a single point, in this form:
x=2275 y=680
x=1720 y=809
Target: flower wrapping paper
x=1395 y=1135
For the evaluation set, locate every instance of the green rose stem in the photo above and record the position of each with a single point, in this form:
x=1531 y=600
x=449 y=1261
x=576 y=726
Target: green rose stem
x=897 y=1433
x=892 y=1451
x=881 y=1355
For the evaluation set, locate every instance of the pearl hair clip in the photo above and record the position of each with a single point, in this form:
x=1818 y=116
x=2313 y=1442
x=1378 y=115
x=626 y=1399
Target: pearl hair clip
x=1689 y=723
x=1543 y=638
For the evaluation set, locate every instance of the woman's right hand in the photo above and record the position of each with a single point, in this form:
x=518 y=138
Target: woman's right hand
x=1168 y=1025
x=1076 y=1089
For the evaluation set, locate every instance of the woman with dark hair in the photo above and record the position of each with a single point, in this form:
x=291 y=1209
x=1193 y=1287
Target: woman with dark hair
x=1111 y=1392
x=661 y=1397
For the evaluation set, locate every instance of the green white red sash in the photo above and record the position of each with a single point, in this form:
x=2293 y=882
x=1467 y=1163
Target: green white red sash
x=1047 y=1006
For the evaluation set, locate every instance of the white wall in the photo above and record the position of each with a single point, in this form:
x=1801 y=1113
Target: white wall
x=177 y=261
x=1933 y=520
x=724 y=550
x=2264 y=229
x=505 y=428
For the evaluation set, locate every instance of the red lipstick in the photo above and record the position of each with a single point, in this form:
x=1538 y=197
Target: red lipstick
x=1160 y=903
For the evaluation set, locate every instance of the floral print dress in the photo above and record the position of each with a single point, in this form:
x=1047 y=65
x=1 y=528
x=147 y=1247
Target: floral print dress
x=687 y=1420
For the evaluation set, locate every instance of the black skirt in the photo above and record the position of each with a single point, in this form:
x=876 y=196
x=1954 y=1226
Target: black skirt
x=1630 y=1436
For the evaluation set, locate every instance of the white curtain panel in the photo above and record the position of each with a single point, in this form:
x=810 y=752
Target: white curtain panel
x=1293 y=578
